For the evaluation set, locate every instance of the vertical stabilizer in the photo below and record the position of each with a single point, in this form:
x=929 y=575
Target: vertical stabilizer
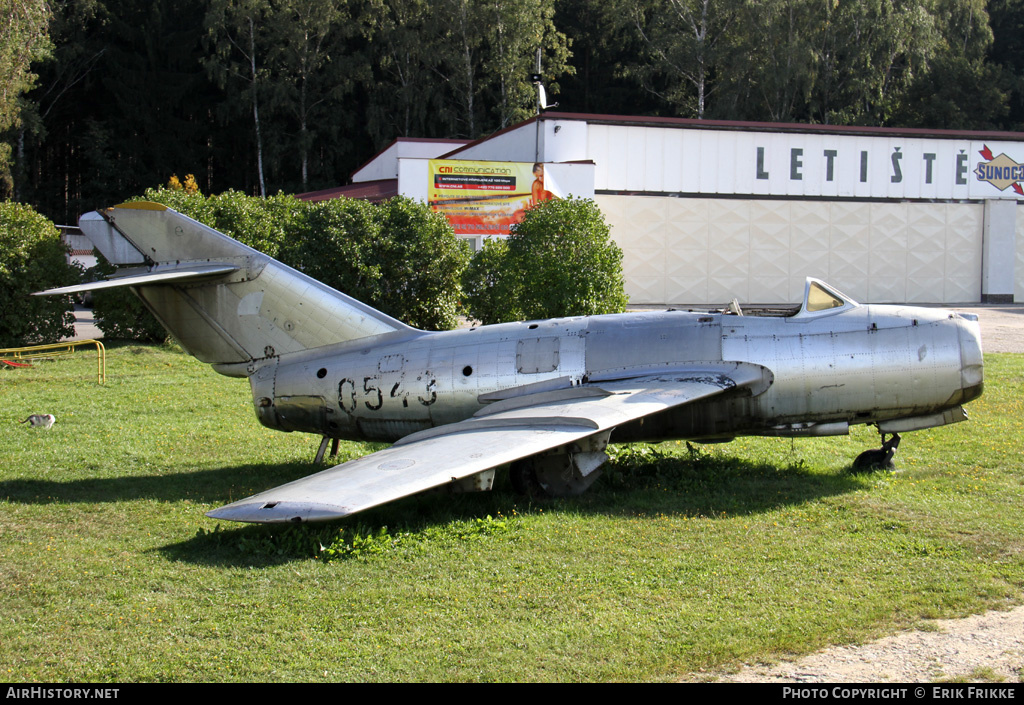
x=224 y=302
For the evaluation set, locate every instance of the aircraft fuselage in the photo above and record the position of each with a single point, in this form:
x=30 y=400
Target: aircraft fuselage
x=829 y=370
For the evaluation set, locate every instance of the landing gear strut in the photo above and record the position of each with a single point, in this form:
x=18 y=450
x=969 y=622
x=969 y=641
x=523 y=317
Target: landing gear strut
x=880 y=458
x=323 y=449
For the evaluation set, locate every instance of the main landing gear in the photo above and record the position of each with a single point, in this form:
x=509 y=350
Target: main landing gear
x=564 y=472
x=880 y=458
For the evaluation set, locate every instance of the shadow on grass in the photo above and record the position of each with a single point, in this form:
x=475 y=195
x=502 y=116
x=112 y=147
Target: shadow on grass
x=639 y=481
x=643 y=479
x=222 y=485
x=697 y=486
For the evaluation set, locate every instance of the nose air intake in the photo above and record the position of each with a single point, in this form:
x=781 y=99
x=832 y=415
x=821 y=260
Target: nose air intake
x=972 y=364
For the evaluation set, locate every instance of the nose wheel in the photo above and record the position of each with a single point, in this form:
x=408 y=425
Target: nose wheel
x=879 y=458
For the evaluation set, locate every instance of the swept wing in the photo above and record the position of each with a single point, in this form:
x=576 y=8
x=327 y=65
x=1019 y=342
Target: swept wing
x=505 y=431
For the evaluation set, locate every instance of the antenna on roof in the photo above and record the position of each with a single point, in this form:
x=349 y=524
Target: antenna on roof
x=542 y=96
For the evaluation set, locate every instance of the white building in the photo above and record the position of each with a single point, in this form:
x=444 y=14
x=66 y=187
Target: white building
x=706 y=211
x=80 y=248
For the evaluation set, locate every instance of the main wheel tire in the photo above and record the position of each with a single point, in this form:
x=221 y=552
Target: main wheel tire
x=553 y=475
x=523 y=474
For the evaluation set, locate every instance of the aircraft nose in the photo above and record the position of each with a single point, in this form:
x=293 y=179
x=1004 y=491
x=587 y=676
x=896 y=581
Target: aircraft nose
x=972 y=366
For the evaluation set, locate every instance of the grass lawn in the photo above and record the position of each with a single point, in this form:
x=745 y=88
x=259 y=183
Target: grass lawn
x=678 y=559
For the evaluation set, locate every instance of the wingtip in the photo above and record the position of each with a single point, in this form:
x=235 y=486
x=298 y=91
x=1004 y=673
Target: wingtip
x=277 y=512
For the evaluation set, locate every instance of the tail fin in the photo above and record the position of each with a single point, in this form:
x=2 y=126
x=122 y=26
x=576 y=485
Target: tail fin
x=224 y=302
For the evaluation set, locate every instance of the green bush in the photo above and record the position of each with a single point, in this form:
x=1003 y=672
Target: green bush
x=489 y=296
x=397 y=256
x=422 y=263
x=265 y=224
x=32 y=258
x=333 y=246
x=559 y=261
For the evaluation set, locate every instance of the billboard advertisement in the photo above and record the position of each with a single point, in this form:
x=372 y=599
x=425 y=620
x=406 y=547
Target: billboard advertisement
x=485 y=198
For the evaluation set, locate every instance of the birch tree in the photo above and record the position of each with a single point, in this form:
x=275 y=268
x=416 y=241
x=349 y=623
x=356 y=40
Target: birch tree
x=683 y=38
x=237 y=29
x=516 y=30
x=309 y=42
x=23 y=39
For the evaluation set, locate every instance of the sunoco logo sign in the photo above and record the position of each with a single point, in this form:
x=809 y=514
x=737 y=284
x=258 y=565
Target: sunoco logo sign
x=1002 y=172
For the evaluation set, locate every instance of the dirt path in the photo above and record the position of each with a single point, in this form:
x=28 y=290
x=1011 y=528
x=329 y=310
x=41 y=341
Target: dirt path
x=987 y=647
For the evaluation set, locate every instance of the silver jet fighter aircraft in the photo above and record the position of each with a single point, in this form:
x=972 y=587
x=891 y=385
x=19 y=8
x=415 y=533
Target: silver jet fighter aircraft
x=543 y=398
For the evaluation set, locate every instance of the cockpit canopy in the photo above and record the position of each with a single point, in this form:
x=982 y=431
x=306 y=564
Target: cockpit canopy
x=820 y=297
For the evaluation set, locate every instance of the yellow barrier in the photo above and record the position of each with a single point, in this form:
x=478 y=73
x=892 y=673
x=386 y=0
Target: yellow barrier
x=39 y=352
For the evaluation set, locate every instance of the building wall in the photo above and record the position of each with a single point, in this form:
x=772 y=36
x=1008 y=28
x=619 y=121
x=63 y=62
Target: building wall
x=760 y=163
x=1019 y=259
x=709 y=250
x=708 y=211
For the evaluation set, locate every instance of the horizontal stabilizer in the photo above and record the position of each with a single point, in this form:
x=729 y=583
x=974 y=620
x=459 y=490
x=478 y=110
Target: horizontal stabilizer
x=164 y=276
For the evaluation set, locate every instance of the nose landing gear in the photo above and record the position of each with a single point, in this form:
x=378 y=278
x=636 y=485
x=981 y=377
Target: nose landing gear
x=880 y=458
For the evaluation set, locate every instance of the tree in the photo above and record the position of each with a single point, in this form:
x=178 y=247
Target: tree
x=458 y=68
x=310 y=40
x=960 y=89
x=402 y=96
x=23 y=39
x=604 y=43
x=517 y=30
x=421 y=261
x=827 y=62
x=811 y=61
x=774 y=65
x=888 y=45
x=75 y=53
x=339 y=233
x=1006 y=19
x=488 y=288
x=566 y=261
x=123 y=103
x=237 y=28
x=682 y=37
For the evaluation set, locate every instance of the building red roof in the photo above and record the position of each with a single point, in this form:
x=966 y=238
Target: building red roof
x=374 y=191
